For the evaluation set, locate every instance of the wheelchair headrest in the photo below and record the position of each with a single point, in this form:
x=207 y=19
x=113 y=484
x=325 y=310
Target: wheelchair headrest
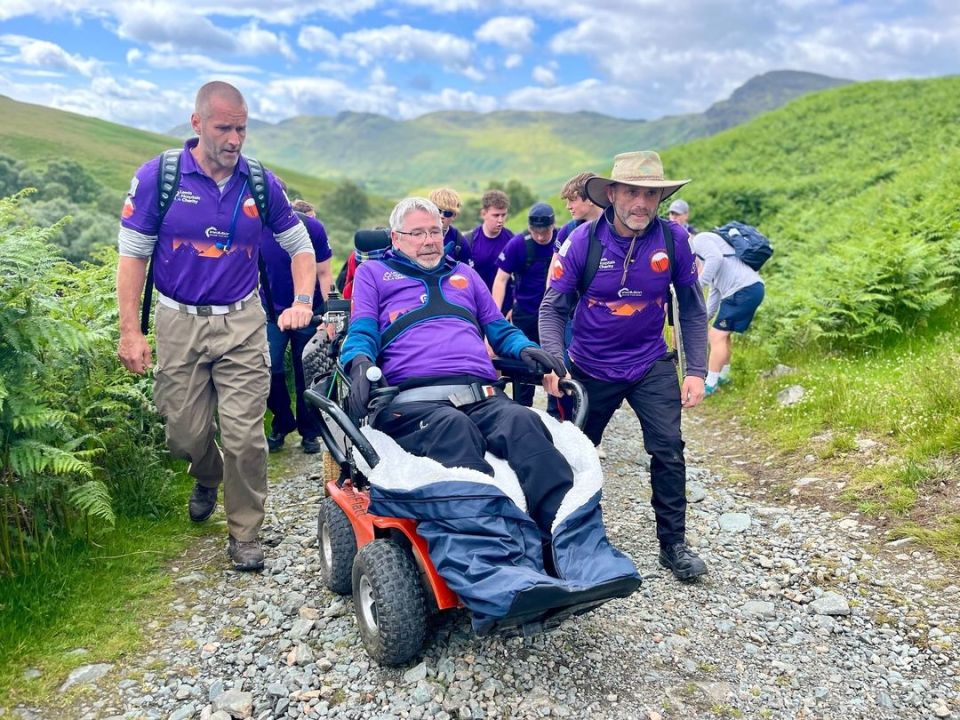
x=371 y=244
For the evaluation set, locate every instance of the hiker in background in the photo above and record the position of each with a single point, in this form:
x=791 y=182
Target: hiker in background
x=212 y=359
x=679 y=213
x=736 y=291
x=526 y=259
x=488 y=239
x=302 y=206
x=580 y=207
x=620 y=280
x=280 y=282
x=454 y=244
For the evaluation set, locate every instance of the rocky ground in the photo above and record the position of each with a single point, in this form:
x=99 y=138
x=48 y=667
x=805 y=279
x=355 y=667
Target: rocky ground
x=806 y=613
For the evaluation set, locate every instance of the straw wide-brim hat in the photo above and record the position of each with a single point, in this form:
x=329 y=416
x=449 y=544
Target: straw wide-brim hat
x=642 y=168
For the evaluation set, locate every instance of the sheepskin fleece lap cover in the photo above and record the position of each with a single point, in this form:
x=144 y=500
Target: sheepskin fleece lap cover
x=485 y=545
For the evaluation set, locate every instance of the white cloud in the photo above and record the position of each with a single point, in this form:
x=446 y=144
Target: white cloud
x=446 y=99
x=252 y=40
x=378 y=75
x=47 y=55
x=170 y=61
x=514 y=60
x=405 y=44
x=317 y=39
x=544 y=76
x=591 y=94
x=472 y=73
x=506 y=31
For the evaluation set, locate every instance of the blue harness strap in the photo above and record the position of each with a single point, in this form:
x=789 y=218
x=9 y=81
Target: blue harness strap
x=435 y=306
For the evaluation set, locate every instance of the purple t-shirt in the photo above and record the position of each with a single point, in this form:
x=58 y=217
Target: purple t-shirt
x=531 y=281
x=451 y=239
x=485 y=252
x=618 y=327
x=188 y=266
x=565 y=232
x=278 y=264
x=437 y=346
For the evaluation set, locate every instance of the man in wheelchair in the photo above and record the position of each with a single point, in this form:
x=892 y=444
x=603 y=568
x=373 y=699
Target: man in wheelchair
x=512 y=557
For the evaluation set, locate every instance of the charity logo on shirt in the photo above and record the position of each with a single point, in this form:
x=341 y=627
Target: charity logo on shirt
x=660 y=261
x=250 y=208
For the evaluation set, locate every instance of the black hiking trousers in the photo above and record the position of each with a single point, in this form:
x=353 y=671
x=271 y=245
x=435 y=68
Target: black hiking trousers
x=460 y=436
x=655 y=398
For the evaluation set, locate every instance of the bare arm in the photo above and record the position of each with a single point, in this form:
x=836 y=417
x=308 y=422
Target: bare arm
x=133 y=349
x=303 y=266
x=325 y=277
x=500 y=287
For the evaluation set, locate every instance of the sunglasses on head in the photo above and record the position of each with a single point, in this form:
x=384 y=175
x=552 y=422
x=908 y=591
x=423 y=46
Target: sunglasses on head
x=448 y=213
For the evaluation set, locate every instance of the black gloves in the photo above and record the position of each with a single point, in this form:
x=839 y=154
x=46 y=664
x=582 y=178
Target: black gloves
x=359 y=396
x=537 y=359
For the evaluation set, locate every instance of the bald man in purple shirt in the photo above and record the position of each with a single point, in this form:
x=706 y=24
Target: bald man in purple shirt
x=618 y=352
x=212 y=357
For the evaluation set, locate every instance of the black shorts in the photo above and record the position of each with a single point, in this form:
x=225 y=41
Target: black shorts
x=737 y=311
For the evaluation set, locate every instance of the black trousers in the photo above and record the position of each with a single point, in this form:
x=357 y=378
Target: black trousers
x=529 y=326
x=655 y=398
x=459 y=437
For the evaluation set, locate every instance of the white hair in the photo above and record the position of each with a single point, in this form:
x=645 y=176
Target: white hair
x=409 y=205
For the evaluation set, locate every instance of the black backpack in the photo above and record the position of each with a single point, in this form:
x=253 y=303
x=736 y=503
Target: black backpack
x=749 y=244
x=168 y=181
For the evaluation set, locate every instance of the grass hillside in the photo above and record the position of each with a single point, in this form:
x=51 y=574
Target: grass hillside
x=856 y=187
x=37 y=135
x=465 y=150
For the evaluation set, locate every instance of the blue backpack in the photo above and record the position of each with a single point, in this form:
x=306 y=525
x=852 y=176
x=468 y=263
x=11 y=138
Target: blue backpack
x=749 y=244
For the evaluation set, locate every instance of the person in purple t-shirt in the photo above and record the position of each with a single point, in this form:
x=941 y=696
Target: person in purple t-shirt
x=277 y=264
x=488 y=239
x=455 y=245
x=618 y=352
x=212 y=358
x=526 y=258
x=581 y=208
x=423 y=319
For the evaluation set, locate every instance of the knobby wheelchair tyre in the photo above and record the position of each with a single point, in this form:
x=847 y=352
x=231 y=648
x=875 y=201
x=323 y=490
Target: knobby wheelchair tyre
x=338 y=547
x=389 y=602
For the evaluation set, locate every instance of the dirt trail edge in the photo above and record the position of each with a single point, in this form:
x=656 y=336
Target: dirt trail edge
x=805 y=613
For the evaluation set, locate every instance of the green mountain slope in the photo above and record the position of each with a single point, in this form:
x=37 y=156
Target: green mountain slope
x=36 y=135
x=465 y=150
x=857 y=188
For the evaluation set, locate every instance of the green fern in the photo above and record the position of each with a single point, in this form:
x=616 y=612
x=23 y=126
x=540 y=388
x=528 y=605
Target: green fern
x=93 y=500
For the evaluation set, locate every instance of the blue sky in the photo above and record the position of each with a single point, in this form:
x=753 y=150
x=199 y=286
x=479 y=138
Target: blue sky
x=139 y=63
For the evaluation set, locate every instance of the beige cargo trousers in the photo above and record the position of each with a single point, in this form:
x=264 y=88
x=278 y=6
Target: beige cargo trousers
x=210 y=367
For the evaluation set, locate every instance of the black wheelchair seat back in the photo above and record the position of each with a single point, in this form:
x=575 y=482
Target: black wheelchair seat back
x=371 y=244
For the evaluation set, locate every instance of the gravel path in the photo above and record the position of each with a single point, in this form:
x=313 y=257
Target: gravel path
x=804 y=614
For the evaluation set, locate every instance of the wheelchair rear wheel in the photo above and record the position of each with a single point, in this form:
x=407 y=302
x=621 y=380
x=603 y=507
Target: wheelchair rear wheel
x=338 y=547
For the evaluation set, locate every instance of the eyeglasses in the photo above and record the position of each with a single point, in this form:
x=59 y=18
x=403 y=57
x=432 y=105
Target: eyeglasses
x=433 y=233
x=540 y=220
x=448 y=213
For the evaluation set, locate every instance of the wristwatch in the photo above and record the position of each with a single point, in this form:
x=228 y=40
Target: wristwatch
x=305 y=299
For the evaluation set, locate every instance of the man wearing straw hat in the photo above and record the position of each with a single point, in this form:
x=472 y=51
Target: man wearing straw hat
x=618 y=352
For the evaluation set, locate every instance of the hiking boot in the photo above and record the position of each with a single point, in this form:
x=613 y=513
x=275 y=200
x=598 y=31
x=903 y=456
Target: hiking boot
x=723 y=380
x=311 y=446
x=203 y=501
x=246 y=556
x=709 y=390
x=275 y=441
x=682 y=561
